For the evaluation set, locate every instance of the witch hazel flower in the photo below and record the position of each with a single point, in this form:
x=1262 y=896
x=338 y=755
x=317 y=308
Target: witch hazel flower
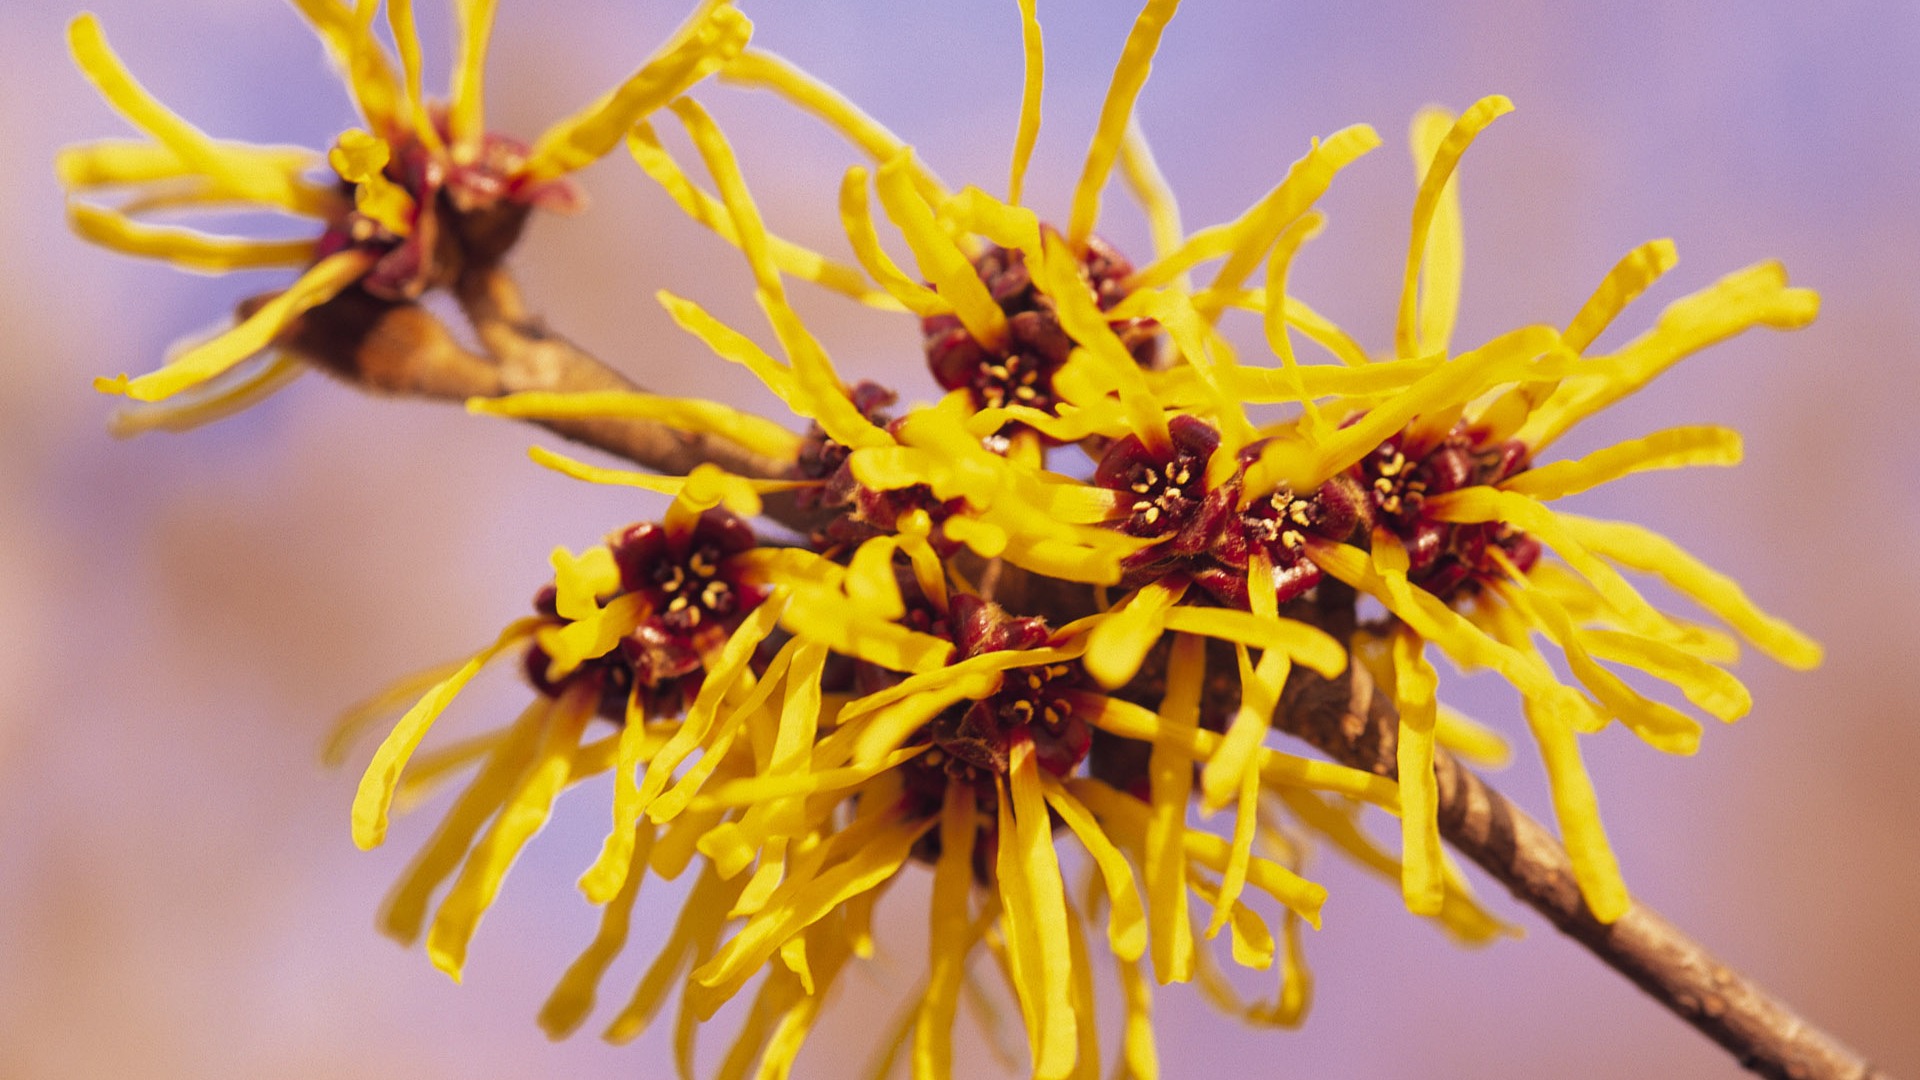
x=402 y=205
x=970 y=662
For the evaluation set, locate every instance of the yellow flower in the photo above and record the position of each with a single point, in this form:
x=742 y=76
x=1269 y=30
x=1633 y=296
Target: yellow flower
x=423 y=189
x=1419 y=489
x=654 y=630
x=807 y=721
x=1024 y=322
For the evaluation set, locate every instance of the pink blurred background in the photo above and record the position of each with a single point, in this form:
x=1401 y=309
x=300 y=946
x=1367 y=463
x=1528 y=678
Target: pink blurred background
x=178 y=893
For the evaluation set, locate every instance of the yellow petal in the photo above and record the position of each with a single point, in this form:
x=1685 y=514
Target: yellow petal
x=619 y=855
x=1578 y=812
x=1275 y=321
x=1006 y=224
x=724 y=673
x=407 y=38
x=465 y=109
x=1435 y=184
x=692 y=939
x=320 y=283
x=748 y=704
x=1277 y=769
x=593 y=636
x=816 y=390
x=1659 y=725
x=362 y=62
x=360 y=159
x=710 y=40
x=985 y=664
x=214 y=401
x=1031 y=82
x=1059 y=276
x=1305 y=384
x=1672 y=448
x=356 y=720
x=752 y=790
x=707 y=486
x=1289 y=888
x=1755 y=296
x=1020 y=957
x=572 y=999
x=1171 y=778
x=1441 y=261
x=1239 y=859
x=524 y=814
x=1489 y=504
x=1306 y=180
x=1252 y=941
x=1119 y=643
x=112 y=162
x=1126 y=919
x=1086 y=1065
x=579 y=583
x=1460 y=639
x=1422 y=882
x=938 y=256
x=1471 y=740
x=244 y=176
x=1136 y=58
x=729 y=344
x=786 y=915
x=856 y=217
x=370 y=803
x=1138 y=1054
x=1530 y=352
x=870 y=582
x=1312 y=647
x=758 y=67
x=1647 y=551
x=1237 y=754
x=754 y=433
x=184 y=247
x=796 y=1022
x=883 y=733
x=1150 y=189
x=1716 y=691
x=1460 y=916
x=1046 y=913
x=1632 y=275
x=791 y=258
x=821 y=615
x=947 y=943
x=405 y=908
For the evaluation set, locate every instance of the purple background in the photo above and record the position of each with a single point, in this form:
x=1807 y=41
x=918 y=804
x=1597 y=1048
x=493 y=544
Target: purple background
x=178 y=894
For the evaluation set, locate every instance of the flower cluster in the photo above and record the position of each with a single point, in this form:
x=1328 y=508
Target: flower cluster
x=1053 y=610
x=403 y=205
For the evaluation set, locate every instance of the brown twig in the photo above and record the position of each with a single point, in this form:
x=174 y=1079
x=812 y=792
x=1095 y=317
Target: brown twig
x=1347 y=720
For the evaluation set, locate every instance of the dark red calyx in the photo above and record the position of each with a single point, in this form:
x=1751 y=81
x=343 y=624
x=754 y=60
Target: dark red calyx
x=1164 y=492
x=980 y=626
x=1020 y=370
x=695 y=590
x=1444 y=558
x=692 y=583
x=467 y=212
x=864 y=513
x=823 y=459
x=973 y=742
